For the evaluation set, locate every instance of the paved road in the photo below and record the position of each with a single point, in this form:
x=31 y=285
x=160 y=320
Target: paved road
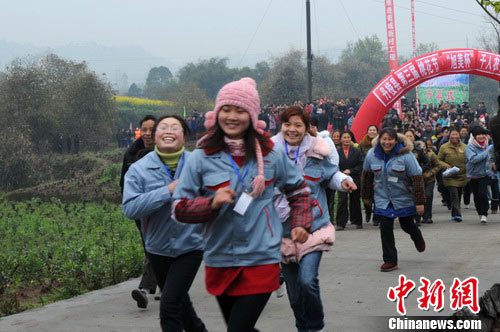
x=352 y=288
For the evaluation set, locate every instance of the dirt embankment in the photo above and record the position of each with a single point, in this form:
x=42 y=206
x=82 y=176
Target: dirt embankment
x=85 y=177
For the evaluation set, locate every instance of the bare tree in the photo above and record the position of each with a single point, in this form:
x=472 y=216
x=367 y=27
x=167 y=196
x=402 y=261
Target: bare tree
x=489 y=39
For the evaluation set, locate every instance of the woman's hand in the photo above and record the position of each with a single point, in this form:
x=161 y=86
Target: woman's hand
x=171 y=186
x=299 y=234
x=222 y=195
x=420 y=210
x=349 y=186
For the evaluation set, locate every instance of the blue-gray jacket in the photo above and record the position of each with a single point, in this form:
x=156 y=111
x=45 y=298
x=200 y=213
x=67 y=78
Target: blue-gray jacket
x=146 y=197
x=318 y=174
x=232 y=239
x=392 y=174
x=477 y=163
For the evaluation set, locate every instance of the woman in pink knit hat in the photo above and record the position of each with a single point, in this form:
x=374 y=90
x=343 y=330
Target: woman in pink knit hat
x=228 y=186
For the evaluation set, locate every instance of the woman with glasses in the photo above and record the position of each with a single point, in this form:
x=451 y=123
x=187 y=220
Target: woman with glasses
x=174 y=249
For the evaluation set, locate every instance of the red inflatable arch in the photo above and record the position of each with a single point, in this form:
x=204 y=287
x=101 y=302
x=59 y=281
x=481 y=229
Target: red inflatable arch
x=416 y=71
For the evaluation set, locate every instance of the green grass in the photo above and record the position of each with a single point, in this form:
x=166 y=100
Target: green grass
x=54 y=250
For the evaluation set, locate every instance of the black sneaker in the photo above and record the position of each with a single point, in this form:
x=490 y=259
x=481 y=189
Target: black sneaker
x=141 y=298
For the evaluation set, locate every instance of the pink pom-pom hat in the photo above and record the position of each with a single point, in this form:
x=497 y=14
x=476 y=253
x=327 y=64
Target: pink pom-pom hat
x=243 y=94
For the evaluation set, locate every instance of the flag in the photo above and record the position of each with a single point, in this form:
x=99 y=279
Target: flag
x=184 y=112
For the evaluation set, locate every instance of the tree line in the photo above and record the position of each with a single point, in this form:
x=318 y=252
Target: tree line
x=282 y=79
x=44 y=98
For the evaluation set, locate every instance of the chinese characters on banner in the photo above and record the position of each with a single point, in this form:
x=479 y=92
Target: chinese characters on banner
x=417 y=71
x=414 y=41
x=462 y=294
x=452 y=88
x=391 y=41
x=488 y=62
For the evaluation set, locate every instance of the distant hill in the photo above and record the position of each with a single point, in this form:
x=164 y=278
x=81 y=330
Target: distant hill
x=122 y=65
x=130 y=64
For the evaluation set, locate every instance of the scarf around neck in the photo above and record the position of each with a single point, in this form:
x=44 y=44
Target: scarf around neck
x=303 y=147
x=473 y=141
x=170 y=159
x=236 y=146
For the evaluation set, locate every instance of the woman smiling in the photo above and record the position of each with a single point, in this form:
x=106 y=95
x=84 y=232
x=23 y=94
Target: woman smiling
x=478 y=154
x=392 y=176
x=228 y=186
x=174 y=249
x=300 y=262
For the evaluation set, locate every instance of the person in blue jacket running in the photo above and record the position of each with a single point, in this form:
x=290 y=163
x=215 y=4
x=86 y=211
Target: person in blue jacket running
x=174 y=249
x=393 y=177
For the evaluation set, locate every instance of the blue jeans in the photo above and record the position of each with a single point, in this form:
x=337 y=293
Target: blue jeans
x=302 y=285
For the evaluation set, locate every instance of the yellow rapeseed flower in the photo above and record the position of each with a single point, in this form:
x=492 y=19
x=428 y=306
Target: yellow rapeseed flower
x=143 y=101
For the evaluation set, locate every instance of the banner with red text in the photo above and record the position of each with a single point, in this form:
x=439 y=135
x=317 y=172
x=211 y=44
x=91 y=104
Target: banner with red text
x=390 y=23
x=416 y=71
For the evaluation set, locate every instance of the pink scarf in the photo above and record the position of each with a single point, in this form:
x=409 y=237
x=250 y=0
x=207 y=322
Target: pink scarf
x=236 y=146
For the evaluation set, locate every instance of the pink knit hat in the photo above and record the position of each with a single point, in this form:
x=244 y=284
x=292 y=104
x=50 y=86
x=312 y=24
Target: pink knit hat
x=243 y=94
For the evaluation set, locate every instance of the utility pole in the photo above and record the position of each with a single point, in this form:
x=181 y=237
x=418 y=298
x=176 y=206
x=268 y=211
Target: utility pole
x=309 y=54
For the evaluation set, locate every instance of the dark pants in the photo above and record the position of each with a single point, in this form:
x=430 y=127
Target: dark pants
x=354 y=208
x=175 y=276
x=330 y=201
x=429 y=196
x=455 y=197
x=390 y=254
x=494 y=188
x=368 y=212
x=494 y=194
x=442 y=189
x=479 y=188
x=467 y=192
x=148 y=279
x=242 y=312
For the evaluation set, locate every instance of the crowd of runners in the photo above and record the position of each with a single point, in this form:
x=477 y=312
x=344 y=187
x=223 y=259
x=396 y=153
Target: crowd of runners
x=260 y=198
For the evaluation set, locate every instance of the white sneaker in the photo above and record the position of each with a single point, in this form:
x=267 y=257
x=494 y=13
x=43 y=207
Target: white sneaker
x=483 y=219
x=467 y=206
x=280 y=291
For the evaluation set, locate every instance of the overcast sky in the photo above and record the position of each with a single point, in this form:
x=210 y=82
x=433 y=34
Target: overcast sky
x=187 y=30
